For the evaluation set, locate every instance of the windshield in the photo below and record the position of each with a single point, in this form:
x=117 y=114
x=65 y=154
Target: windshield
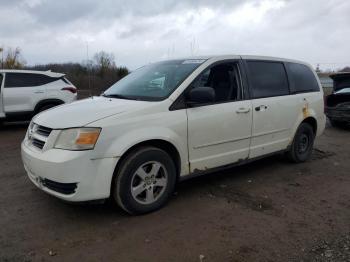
x=344 y=90
x=153 y=82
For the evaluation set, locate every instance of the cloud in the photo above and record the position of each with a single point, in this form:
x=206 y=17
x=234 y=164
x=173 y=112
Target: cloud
x=139 y=32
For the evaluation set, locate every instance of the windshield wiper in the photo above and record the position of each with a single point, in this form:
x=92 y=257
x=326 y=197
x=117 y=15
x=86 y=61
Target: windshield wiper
x=118 y=96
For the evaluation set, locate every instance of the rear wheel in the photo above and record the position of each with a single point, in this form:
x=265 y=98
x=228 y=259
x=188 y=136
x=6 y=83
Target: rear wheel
x=303 y=143
x=145 y=181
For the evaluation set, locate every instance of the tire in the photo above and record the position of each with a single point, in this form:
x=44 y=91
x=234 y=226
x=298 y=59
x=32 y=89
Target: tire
x=302 y=145
x=146 y=172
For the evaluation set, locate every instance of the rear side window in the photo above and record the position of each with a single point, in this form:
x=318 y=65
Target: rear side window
x=27 y=80
x=66 y=80
x=1 y=77
x=302 y=78
x=267 y=79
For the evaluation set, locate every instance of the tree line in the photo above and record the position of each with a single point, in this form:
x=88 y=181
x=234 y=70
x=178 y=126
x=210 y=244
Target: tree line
x=90 y=77
x=93 y=76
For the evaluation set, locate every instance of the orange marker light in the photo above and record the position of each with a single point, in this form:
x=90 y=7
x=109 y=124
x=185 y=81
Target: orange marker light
x=87 y=138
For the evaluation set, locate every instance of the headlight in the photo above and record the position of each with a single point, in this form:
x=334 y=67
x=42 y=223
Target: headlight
x=78 y=138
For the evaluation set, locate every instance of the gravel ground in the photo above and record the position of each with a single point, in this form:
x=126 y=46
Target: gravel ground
x=269 y=210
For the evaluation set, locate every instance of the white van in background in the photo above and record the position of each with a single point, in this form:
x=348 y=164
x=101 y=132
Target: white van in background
x=24 y=93
x=171 y=120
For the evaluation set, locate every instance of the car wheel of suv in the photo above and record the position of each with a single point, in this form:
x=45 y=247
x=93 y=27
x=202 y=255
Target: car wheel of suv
x=145 y=181
x=302 y=145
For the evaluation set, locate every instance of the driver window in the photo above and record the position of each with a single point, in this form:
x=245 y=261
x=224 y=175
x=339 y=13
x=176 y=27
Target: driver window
x=224 y=79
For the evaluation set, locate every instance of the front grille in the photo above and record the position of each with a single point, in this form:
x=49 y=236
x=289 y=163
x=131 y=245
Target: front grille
x=44 y=131
x=38 y=135
x=38 y=143
x=63 y=188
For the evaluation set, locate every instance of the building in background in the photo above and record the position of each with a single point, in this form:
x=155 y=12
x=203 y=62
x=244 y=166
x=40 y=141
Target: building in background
x=326 y=82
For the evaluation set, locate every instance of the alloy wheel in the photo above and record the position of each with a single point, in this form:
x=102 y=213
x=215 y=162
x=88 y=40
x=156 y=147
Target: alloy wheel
x=149 y=182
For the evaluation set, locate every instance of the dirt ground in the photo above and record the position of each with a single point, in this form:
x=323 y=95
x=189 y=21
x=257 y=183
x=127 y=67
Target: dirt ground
x=270 y=210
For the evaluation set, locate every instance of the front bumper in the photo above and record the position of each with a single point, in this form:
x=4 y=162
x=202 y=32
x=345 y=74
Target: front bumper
x=342 y=115
x=69 y=175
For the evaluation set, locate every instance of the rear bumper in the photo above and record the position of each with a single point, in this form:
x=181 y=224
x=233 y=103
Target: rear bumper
x=69 y=175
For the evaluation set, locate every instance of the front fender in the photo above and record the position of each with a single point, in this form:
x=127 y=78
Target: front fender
x=123 y=143
x=116 y=140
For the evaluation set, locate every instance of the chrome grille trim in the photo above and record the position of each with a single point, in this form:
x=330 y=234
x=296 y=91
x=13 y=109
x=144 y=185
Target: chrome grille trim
x=38 y=143
x=44 y=131
x=38 y=135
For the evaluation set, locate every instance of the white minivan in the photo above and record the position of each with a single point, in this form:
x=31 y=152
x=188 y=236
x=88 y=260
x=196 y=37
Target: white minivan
x=24 y=93
x=171 y=120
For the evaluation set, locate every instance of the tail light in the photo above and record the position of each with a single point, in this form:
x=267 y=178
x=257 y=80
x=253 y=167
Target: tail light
x=71 y=89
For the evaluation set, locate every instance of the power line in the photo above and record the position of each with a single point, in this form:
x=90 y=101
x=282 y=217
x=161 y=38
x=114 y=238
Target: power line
x=334 y=63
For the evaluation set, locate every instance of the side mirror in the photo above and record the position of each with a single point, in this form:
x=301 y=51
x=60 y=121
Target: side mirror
x=201 y=95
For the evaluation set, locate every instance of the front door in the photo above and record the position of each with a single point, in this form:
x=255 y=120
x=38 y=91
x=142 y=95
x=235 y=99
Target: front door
x=2 y=113
x=219 y=133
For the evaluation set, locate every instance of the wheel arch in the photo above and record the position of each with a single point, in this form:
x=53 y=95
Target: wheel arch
x=311 y=121
x=47 y=102
x=167 y=146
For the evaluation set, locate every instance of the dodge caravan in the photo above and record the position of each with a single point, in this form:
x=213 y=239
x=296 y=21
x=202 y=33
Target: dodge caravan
x=172 y=120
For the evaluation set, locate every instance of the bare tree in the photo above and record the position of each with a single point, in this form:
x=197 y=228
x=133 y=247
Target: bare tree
x=13 y=59
x=104 y=61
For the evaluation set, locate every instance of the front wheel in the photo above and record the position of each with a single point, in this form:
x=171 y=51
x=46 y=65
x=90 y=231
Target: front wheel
x=144 y=181
x=303 y=142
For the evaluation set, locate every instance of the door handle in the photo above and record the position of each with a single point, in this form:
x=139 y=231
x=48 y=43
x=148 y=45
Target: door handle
x=38 y=92
x=242 y=110
x=261 y=108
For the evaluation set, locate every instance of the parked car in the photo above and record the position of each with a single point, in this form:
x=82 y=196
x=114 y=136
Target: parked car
x=137 y=140
x=24 y=93
x=338 y=103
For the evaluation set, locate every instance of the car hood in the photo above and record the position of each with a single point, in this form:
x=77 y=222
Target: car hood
x=83 y=112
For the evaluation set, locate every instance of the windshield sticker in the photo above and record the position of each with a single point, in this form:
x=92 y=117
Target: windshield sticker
x=193 y=61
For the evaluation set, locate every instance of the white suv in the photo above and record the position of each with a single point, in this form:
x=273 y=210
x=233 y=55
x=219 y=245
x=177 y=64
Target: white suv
x=25 y=93
x=170 y=120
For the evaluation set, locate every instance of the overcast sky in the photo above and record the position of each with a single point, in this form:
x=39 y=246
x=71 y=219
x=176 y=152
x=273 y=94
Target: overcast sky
x=139 y=31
